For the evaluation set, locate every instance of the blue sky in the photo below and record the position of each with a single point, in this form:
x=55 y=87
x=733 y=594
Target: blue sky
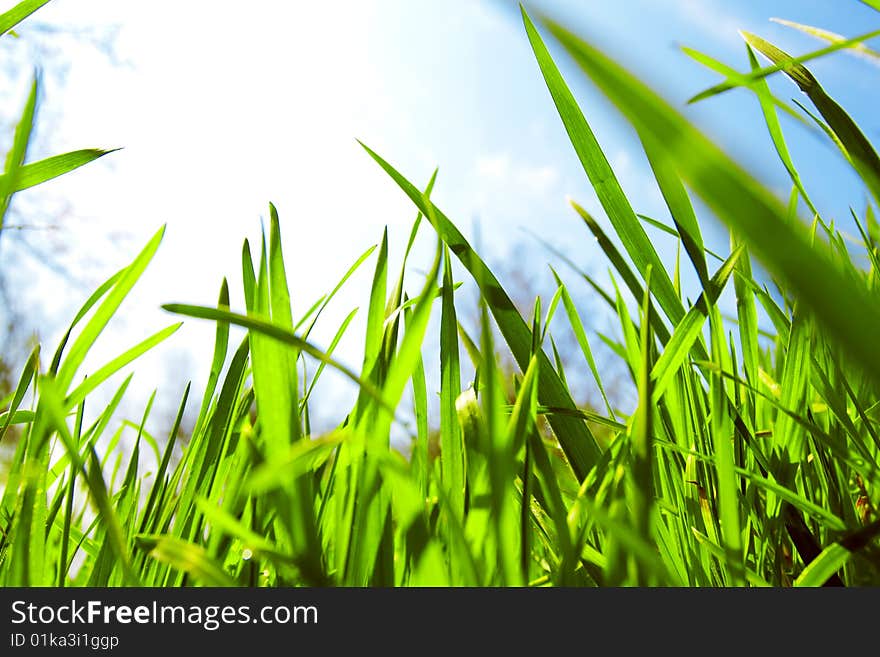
x=221 y=111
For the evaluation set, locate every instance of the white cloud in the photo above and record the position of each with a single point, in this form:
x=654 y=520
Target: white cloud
x=493 y=167
x=537 y=179
x=501 y=169
x=713 y=18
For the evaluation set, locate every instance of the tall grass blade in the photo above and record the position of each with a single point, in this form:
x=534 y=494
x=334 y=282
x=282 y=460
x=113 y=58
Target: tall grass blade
x=743 y=203
x=575 y=437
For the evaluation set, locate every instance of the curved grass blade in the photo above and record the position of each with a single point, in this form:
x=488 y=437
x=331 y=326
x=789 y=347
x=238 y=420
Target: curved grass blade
x=864 y=158
x=830 y=37
x=187 y=557
x=276 y=332
x=785 y=64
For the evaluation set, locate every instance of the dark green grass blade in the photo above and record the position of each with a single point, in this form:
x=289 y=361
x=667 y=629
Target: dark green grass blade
x=617 y=261
x=578 y=443
x=744 y=204
x=680 y=209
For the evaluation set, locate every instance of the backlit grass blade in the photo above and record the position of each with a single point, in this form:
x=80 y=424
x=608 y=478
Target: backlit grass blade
x=187 y=557
x=608 y=190
x=830 y=37
x=376 y=310
x=275 y=332
x=90 y=302
x=864 y=157
x=680 y=209
x=795 y=384
x=729 y=504
x=329 y=352
x=620 y=265
x=689 y=330
x=18 y=151
x=36 y=173
x=787 y=63
x=51 y=401
x=221 y=346
x=762 y=91
x=578 y=328
x=578 y=443
x=822 y=570
x=520 y=429
x=12 y=17
x=452 y=464
x=738 y=79
x=642 y=489
x=744 y=204
x=328 y=298
x=108 y=370
x=30 y=370
x=303 y=456
x=90 y=332
x=159 y=479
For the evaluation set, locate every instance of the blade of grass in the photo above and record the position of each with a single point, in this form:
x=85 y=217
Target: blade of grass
x=576 y=439
x=743 y=203
x=36 y=173
x=17 y=153
x=12 y=17
x=611 y=196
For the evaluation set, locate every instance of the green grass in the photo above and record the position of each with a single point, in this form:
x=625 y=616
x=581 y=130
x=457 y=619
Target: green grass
x=751 y=457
